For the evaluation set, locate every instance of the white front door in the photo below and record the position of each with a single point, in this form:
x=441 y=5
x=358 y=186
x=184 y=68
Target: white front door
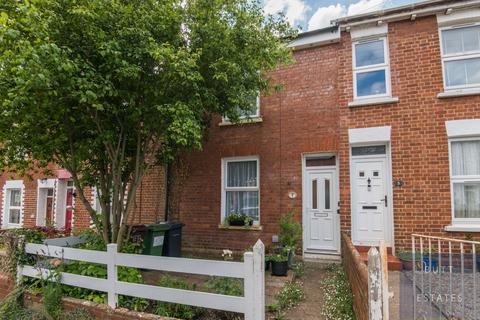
x=370 y=200
x=320 y=207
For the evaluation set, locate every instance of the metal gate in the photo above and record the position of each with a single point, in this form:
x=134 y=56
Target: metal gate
x=444 y=277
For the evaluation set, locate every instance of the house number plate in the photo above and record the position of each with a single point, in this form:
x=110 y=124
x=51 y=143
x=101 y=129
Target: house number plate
x=158 y=241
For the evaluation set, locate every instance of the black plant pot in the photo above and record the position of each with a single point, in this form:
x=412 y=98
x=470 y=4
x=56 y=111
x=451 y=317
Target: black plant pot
x=237 y=223
x=279 y=269
x=267 y=265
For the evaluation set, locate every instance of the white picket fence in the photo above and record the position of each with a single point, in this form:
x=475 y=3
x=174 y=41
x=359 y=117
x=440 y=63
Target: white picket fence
x=251 y=270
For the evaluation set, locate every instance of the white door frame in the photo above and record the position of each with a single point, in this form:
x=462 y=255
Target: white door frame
x=389 y=223
x=305 y=198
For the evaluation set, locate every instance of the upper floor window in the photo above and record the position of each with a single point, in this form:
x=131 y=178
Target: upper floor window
x=371 y=74
x=465 y=179
x=461 y=57
x=253 y=112
x=241 y=190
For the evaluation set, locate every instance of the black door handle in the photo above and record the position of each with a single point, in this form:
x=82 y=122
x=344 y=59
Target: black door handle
x=385 y=200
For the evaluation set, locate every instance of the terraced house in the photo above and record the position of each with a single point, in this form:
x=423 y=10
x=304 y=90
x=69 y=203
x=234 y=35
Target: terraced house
x=376 y=133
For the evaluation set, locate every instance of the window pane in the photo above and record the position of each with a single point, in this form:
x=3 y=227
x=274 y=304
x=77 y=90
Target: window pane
x=466 y=200
x=327 y=194
x=466 y=158
x=452 y=41
x=242 y=202
x=320 y=161
x=314 y=194
x=369 y=53
x=461 y=40
x=368 y=151
x=14 y=216
x=242 y=174
x=463 y=72
x=456 y=73
x=371 y=83
x=473 y=71
x=15 y=198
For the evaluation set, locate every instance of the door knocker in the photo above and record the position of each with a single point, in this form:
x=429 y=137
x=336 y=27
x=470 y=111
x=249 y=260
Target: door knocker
x=369 y=184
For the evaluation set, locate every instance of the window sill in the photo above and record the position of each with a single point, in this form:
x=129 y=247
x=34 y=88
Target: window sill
x=225 y=123
x=372 y=101
x=462 y=228
x=458 y=93
x=252 y=228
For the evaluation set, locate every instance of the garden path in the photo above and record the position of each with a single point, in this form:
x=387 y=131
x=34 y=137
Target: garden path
x=311 y=307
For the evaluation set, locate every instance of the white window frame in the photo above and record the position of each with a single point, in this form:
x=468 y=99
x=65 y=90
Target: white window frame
x=246 y=117
x=12 y=185
x=460 y=179
x=225 y=162
x=374 y=67
x=456 y=56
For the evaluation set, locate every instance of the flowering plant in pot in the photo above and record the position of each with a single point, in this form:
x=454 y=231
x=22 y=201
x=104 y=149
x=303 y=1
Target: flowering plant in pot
x=239 y=220
x=279 y=263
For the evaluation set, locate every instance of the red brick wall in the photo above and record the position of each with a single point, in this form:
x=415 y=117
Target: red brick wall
x=357 y=274
x=301 y=118
x=419 y=144
x=149 y=203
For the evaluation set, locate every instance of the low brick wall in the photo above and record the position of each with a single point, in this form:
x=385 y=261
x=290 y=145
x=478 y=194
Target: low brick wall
x=357 y=273
x=98 y=311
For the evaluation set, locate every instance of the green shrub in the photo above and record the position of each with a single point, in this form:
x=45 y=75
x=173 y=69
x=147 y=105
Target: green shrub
x=174 y=310
x=290 y=231
x=226 y=286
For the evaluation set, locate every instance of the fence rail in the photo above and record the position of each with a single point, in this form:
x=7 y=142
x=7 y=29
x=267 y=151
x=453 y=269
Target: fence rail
x=251 y=270
x=444 y=276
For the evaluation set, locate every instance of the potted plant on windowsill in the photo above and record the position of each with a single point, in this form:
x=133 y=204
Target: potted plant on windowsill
x=279 y=263
x=239 y=220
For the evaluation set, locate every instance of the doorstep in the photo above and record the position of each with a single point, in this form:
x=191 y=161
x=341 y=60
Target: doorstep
x=394 y=264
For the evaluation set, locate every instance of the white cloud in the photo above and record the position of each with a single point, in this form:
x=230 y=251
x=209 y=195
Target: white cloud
x=322 y=17
x=364 y=6
x=294 y=10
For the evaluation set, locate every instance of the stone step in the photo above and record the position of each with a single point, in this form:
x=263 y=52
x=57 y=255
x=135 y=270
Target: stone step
x=393 y=263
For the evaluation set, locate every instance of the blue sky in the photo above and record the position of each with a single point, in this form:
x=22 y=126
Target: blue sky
x=314 y=14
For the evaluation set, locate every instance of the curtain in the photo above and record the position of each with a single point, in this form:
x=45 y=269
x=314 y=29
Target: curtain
x=242 y=174
x=466 y=158
x=245 y=202
x=466 y=200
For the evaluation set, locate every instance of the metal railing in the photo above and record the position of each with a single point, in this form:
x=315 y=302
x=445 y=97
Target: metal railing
x=444 y=276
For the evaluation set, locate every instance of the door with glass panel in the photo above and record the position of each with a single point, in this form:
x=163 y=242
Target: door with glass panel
x=321 y=210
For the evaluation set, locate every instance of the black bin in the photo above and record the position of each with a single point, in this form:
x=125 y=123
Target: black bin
x=172 y=247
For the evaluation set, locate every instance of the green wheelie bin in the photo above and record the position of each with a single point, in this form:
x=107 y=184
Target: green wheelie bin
x=154 y=238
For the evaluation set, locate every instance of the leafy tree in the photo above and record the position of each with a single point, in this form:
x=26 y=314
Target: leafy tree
x=109 y=88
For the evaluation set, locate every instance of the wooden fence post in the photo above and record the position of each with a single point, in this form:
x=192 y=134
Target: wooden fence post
x=384 y=272
x=254 y=285
x=20 y=246
x=375 y=297
x=112 y=277
x=259 y=280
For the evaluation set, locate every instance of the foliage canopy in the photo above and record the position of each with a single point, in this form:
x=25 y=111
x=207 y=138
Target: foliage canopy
x=108 y=88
